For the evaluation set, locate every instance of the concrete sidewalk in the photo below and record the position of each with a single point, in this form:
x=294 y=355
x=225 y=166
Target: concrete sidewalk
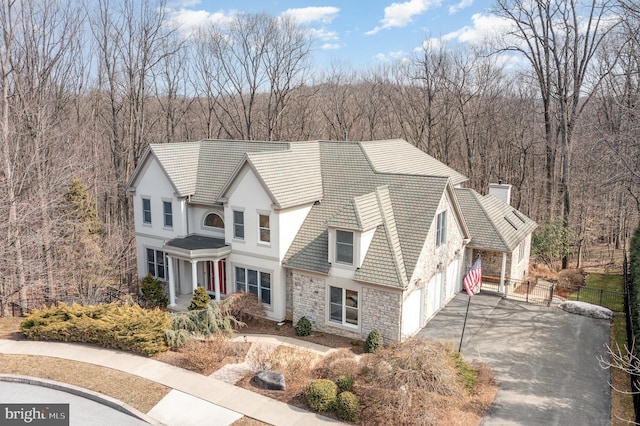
x=193 y=393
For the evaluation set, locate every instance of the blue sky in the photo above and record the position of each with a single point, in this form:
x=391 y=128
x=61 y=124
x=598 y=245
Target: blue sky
x=360 y=33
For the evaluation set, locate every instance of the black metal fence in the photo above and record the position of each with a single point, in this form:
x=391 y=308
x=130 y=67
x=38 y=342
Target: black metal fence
x=540 y=293
x=633 y=359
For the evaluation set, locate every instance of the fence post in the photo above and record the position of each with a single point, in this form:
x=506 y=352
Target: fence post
x=528 y=284
x=601 y=293
x=551 y=294
x=578 y=294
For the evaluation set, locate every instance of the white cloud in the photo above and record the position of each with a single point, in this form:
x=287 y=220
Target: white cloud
x=484 y=27
x=306 y=15
x=401 y=14
x=322 y=34
x=330 y=46
x=463 y=4
x=391 y=56
x=189 y=20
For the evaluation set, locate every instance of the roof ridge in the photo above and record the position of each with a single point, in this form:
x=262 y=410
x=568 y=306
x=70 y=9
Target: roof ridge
x=484 y=210
x=391 y=231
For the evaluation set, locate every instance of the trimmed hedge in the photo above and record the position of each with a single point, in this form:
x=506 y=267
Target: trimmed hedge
x=321 y=395
x=345 y=383
x=348 y=407
x=303 y=327
x=374 y=342
x=200 y=299
x=126 y=327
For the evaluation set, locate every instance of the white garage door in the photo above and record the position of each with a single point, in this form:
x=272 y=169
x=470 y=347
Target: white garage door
x=434 y=294
x=412 y=313
x=453 y=279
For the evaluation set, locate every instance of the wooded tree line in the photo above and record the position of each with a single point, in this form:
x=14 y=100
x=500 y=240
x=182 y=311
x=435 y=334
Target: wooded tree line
x=87 y=86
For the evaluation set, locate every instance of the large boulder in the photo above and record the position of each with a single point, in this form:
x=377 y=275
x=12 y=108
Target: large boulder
x=586 y=309
x=272 y=380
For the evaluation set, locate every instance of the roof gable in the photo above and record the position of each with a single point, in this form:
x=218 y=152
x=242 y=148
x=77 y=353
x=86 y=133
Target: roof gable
x=493 y=224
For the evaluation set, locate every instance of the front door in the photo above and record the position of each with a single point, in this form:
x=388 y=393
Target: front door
x=222 y=277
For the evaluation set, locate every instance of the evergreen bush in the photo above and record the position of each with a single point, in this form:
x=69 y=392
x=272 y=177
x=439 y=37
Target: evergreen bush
x=200 y=299
x=213 y=319
x=348 y=406
x=152 y=294
x=321 y=395
x=345 y=383
x=374 y=342
x=303 y=327
x=126 y=327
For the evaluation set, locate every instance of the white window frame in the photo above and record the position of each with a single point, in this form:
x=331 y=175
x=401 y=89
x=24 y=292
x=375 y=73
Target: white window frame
x=157 y=266
x=262 y=228
x=441 y=228
x=167 y=216
x=521 y=250
x=345 y=244
x=344 y=308
x=145 y=211
x=236 y=224
x=260 y=286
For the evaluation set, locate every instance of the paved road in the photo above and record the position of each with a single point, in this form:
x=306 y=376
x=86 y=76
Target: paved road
x=545 y=359
x=82 y=411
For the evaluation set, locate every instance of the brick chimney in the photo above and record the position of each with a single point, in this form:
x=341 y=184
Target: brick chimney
x=501 y=190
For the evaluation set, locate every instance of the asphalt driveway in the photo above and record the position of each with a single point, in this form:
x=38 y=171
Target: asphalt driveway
x=545 y=359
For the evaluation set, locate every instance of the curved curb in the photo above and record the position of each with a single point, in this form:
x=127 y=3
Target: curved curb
x=83 y=393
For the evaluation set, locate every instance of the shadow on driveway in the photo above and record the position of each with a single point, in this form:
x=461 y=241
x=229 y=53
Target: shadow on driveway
x=545 y=359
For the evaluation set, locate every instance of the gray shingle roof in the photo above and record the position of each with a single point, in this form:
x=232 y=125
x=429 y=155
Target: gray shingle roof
x=178 y=160
x=408 y=204
x=493 y=224
x=292 y=177
x=407 y=159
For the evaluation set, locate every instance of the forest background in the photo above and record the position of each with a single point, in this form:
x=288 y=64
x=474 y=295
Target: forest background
x=87 y=85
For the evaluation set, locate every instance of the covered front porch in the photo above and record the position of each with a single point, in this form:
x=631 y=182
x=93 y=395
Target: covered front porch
x=194 y=261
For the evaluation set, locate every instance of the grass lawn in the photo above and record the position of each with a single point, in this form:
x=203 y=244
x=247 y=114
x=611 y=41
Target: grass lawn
x=601 y=289
x=621 y=402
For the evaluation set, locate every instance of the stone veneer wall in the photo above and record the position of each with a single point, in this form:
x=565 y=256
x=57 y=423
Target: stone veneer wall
x=492 y=263
x=288 y=275
x=381 y=309
x=308 y=299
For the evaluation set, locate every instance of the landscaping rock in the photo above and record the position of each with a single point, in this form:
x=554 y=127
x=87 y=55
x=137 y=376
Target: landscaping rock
x=586 y=309
x=272 y=380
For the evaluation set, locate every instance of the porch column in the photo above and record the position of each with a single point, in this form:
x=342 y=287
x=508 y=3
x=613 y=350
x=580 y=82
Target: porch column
x=194 y=274
x=216 y=278
x=172 y=283
x=503 y=272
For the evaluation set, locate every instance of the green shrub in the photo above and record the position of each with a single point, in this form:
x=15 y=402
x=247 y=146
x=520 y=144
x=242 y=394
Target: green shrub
x=152 y=294
x=348 y=406
x=303 y=327
x=374 y=342
x=321 y=395
x=126 y=327
x=345 y=383
x=214 y=318
x=200 y=299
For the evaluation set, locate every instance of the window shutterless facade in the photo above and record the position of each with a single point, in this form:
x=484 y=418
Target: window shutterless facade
x=167 y=210
x=156 y=262
x=238 y=225
x=441 y=229
x=253 y=281
x=344 y=247
x=264 y=228
x=343 y=306
x=146 y=210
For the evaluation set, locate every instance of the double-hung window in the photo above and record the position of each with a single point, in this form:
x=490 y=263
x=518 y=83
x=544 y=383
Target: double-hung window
x=156 y=263
x=253 y=281
x=264 y=228
x=441 y=229
x=146 y=211
x=168 y=214
x=343 y=306
x=344 y=247
x=238 y=225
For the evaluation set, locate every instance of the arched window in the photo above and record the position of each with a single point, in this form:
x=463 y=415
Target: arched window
x=213 y=220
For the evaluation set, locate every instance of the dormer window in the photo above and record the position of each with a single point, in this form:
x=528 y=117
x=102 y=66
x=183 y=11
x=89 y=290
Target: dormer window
x=344 y=247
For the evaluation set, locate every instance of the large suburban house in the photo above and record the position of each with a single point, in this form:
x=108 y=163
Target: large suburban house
x=352 y=235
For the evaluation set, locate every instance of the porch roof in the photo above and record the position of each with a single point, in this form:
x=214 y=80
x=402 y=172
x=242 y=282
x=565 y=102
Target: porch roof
x=197 y=246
